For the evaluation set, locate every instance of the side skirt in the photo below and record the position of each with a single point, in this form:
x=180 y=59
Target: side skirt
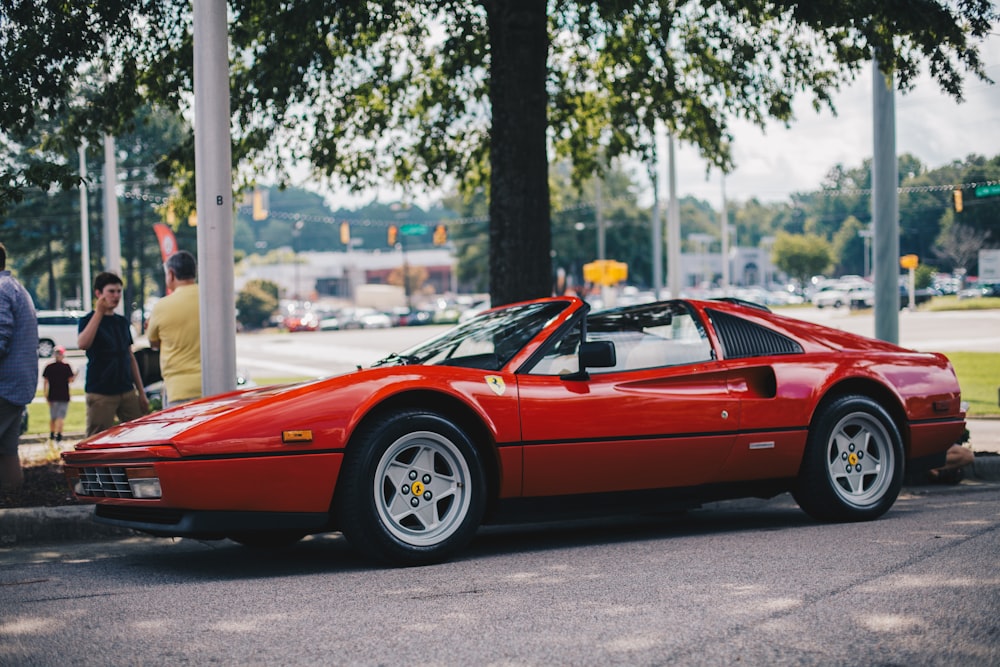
x=523 y=510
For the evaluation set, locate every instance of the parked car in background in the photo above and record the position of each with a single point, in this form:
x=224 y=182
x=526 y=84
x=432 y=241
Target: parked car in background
x=363 y=318
x=306 y=321
x=57 y=328
x=837 y=295
x=866 y=298
x=330 y=322
x=979 y=290
x=534 y=407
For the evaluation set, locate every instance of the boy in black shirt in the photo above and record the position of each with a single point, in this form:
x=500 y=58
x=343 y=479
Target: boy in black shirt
x=114 y=385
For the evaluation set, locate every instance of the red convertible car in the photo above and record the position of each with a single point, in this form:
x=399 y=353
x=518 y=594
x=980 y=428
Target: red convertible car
x=537 y=407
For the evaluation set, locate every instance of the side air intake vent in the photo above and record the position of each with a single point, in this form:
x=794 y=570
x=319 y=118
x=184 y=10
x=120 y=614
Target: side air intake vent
x=741 y=339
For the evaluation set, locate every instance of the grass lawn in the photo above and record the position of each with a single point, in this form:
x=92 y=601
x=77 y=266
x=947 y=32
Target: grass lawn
x=952 y=302
x=979 y=376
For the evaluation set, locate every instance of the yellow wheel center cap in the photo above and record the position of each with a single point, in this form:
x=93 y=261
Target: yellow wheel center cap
x=417 y=488
x=853 y=459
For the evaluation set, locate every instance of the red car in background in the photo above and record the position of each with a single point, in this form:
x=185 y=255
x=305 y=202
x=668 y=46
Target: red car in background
x=300 y=322
x=533 y=407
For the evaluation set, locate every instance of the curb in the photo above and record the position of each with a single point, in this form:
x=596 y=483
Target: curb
x=986 y=468
x=67 y=523
x=74 y=523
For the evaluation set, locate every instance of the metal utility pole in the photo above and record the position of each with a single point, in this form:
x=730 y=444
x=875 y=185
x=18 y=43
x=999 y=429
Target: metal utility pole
x=885 y=207
x=112 y=233
x=214 y=197
x=673 y=226
x=725 y=239
x=657 y=221
x=87 y=292
x=599 y=217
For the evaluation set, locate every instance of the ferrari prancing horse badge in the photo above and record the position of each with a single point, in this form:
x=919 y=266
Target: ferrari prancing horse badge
x=496 y=384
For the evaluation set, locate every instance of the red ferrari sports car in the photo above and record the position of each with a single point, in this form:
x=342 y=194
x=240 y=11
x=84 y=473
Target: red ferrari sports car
x=534 y=407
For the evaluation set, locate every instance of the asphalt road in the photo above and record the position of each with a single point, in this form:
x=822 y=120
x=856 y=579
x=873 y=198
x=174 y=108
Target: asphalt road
x=748 y=582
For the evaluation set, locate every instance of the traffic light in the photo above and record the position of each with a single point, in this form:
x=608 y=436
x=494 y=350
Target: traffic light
x=440 y=235
x=957 y=194
x=345 y=233
x=260 y=204
x=392 y=234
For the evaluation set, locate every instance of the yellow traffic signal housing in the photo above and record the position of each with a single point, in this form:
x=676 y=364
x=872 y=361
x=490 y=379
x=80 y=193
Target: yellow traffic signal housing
x=392 y=234
x=440 y=235
x=957 y=194
x=605 y=272
x=259 y=205
x=345 y=233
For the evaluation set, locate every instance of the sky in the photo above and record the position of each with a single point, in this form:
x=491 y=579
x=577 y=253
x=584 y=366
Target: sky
x=772 y=164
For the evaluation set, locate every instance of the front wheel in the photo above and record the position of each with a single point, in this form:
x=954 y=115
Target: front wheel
x=852 y=469
x=412 y=489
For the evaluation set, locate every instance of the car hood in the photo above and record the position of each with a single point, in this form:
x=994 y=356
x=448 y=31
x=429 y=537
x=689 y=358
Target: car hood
x=165 y=425
x=258 y=419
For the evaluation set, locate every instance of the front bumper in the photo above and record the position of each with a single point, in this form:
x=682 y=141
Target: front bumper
x=205 y=524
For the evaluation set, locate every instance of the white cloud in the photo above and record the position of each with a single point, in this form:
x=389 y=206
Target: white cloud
x=929 y=124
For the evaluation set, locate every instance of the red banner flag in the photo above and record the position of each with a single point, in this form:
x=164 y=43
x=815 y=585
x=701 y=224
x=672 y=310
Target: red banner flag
x=165 y=235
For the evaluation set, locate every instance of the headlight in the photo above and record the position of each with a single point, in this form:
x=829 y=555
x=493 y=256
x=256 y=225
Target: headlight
x=144 y=483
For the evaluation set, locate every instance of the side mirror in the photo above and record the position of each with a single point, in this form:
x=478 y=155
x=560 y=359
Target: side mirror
x=597 y=354
x=593 y=354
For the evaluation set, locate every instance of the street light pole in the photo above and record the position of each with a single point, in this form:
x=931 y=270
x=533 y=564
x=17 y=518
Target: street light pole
x=885 y=206
x=866 y=234
x=84 y=230
x=214 y=197
x=296 y=233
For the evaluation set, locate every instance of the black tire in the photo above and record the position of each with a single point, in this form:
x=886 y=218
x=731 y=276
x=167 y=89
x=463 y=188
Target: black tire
x=271 y=539
x=852 y=469
x=384 y=516
x=46 y=348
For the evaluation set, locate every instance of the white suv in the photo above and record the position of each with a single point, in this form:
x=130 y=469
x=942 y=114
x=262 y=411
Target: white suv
x=57 y=328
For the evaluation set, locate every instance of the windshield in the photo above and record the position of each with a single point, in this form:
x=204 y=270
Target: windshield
x=488 y=341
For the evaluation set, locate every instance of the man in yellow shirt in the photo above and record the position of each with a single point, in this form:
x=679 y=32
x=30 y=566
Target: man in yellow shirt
x=174 y=329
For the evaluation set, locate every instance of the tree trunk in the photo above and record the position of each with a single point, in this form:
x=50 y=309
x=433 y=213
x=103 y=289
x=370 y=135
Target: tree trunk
x=520 y=234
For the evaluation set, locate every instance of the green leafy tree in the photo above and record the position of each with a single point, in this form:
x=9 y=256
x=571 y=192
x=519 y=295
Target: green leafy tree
x=924 y=275
x=421 y=91
x=849 y=248
x=802 y=256
x=48 y=222
x=981 y=213
x=256 y=303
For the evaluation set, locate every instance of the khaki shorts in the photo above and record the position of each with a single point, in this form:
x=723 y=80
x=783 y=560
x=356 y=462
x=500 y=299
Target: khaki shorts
x=58 y=409
x=103 y=408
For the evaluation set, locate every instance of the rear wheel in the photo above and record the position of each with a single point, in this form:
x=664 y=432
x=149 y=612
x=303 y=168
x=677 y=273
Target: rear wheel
x=853 y=465
x=412 y=489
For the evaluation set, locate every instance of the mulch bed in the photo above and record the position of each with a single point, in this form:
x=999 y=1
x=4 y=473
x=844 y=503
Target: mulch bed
x=44 y=486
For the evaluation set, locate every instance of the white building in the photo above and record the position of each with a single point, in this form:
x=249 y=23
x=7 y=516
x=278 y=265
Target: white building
x=337 y=274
